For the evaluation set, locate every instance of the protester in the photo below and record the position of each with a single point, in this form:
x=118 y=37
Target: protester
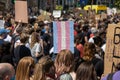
x=25 y=69
x=36 y=48
x=44 y=69
x=7 y=71
x=78 y=45
x=3 y=35
x=86 y=71
x=64 y=65
x=21 y=50
x=87 y=28
x=89 y=55
x=5 y=55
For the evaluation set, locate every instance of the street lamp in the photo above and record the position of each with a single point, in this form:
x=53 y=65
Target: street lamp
x=91 y=4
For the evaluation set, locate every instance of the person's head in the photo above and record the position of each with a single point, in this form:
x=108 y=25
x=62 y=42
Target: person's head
x=64 y=61
x=98 y=41
x=86 y=71
x=35 y=26
x=19 y=29
x=89 y=51
x=44 y=67
x=25 y=68
x=34 y=38
x=24 y=38
x=3 y=33
x=7 y=71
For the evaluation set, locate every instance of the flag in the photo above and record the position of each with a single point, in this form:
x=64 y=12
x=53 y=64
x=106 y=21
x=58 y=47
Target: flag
x=63 y=36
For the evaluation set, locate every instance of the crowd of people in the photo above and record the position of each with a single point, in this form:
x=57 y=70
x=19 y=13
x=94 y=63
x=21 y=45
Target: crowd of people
x=26 y=49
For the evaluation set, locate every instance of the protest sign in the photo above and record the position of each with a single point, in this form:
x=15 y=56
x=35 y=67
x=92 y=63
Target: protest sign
x=57 y=13
x=63 y=36
x=112 y=52
x=2 y=24
x=21 y=13
x=109 y=11
x=103 y=16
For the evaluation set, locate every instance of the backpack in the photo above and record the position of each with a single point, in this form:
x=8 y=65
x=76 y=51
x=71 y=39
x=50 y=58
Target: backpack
x=64 y=76
x=14 y=39
x=110 y=76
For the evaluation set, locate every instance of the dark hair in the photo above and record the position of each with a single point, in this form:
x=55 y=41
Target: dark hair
x=24 y=38
x=117 y=67
x=19 y=29
x=86 y=71
x=98 y=41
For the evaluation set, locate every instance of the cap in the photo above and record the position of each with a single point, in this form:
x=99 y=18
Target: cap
x=2 y=31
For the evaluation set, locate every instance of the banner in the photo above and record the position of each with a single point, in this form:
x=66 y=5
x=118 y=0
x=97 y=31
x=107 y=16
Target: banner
x=63 y=36
x=112 y=52
x=21 y=12
x=57 y=13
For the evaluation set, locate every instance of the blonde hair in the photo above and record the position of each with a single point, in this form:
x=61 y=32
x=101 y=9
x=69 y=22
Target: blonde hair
x=64 y=61
x=34 y=39
x=42 y=67
x=24 y=67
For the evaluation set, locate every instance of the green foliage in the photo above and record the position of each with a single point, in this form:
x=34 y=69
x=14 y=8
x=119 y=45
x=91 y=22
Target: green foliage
x=13 y=1
x=117 y=4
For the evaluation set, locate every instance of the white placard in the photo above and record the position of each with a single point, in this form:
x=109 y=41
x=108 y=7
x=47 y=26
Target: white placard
x=57 y=13
x=2 y=24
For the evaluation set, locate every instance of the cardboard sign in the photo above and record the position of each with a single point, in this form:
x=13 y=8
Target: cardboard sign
x=57 y=13
x=103 y=16
x=109 y=11
x=112 y=52
x=21 y=12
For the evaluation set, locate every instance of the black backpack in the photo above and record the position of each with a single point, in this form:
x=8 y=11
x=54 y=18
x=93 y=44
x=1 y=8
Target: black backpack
x=110 y=76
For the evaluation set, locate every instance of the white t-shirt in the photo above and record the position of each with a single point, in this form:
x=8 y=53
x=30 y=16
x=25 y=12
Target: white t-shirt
x=36 y=48
x=8 y=38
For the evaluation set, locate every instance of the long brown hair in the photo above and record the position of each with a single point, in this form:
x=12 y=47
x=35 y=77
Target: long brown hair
x=89 y=51
x=24 y=68
x=34 y=39
x=64 y=61
x=86 y=71
x=42 y=68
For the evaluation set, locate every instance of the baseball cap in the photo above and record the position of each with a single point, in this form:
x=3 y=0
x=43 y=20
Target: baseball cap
x=2 y=31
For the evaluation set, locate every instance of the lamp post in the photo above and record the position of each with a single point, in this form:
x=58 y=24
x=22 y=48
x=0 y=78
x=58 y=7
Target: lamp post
x=91 y=4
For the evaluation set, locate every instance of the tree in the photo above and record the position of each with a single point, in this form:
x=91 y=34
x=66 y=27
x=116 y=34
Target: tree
x=117 y=4
x=13 y=1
